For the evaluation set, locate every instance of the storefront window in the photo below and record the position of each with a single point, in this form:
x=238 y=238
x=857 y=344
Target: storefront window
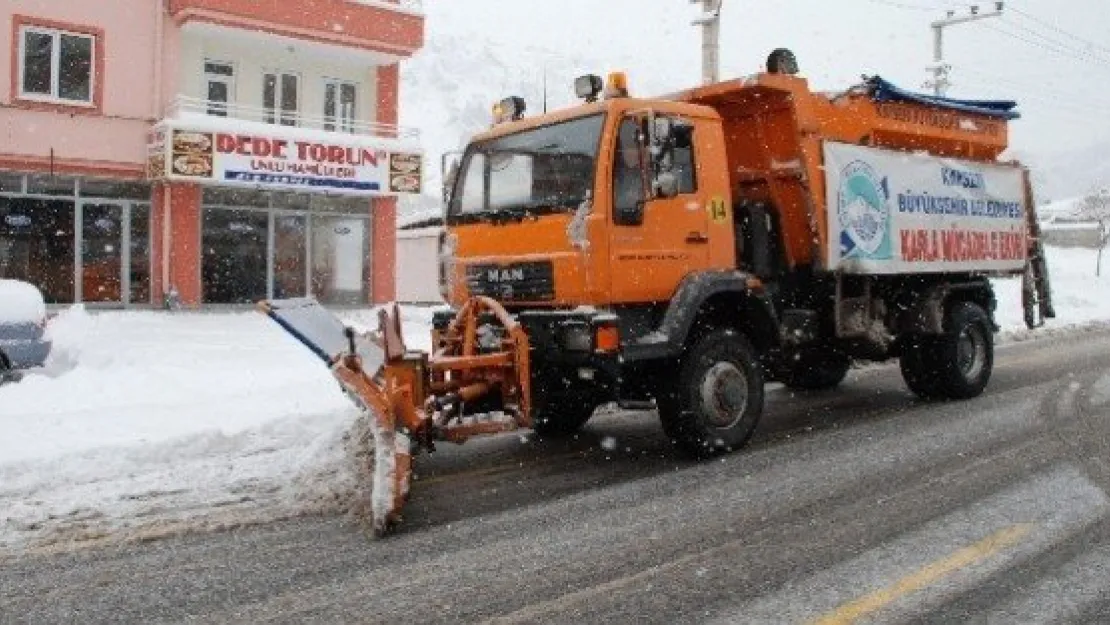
x=233 y=270
x=236 y=198
x=44 y=184
x=290 y=249
x=115 y=189
x=340 y=259
x=140 y=254
x=37 y=245
x=101 y=252
x=11 y=183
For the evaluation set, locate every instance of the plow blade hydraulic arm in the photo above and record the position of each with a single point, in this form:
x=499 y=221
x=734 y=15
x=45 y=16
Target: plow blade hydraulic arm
x=476 y=382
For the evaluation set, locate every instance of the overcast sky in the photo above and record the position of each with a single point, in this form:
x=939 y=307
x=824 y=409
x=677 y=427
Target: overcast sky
x=1051 y=56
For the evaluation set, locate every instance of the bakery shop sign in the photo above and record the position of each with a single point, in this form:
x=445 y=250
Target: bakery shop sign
x=289 y=163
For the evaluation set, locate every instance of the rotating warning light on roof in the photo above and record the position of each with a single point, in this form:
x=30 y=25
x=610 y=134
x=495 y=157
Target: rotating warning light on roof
x=509 y=109
x=618 y=85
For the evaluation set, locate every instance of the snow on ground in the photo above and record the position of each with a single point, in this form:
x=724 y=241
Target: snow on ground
x=143 y=421
x=1080 y=298
x=152 y=422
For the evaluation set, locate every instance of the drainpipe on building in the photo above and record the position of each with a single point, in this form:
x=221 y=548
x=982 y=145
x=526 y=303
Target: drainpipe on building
x=170 y=297
x=159 y=57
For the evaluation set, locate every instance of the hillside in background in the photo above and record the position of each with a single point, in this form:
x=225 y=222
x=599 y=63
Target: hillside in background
x=449 y=88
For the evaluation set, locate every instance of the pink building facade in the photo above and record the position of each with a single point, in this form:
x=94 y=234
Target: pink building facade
x=204 y=152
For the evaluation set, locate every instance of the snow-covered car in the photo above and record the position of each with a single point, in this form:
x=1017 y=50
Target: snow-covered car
x=23 y=342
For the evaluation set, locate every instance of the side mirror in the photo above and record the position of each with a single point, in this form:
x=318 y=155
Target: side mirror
x=631 y=215
x=662 y=129
x=665 y=184
x=448 y=171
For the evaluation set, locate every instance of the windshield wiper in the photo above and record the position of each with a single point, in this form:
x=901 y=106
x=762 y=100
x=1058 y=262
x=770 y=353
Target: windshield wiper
x=533 y=209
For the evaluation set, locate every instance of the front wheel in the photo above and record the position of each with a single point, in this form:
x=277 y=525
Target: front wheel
x=717 y=399
x=955 y=365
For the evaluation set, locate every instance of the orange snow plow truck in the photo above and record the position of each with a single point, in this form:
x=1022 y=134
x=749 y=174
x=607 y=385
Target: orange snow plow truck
x=680 y=252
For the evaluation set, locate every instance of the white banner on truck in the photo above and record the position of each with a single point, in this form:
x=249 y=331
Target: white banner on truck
x=895 y=212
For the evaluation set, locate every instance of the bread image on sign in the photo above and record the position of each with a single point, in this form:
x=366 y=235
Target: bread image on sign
x=404 y=173
x=405 y=183
x=192 y=154
x=404 y=163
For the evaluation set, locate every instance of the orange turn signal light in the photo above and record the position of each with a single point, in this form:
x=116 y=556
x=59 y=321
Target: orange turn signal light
x=608 y=339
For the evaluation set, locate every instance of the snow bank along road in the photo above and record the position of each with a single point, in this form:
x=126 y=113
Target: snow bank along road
x=148 y=424
x=860 y=504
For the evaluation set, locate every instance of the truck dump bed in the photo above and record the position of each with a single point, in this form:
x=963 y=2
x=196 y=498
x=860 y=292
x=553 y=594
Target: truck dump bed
x=911 y=180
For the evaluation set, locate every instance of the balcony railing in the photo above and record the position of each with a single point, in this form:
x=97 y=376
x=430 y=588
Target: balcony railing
x=184 y=105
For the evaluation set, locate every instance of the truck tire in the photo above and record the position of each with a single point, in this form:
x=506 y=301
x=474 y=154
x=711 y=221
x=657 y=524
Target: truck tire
x=818 y=371
x=717 y=399
x=956 y=364
x=561 y=415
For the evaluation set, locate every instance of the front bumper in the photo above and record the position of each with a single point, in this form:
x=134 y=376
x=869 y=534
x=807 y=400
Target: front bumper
x=564 y=351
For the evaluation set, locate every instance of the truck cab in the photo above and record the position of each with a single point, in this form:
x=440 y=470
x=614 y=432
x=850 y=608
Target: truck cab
x=567 y=209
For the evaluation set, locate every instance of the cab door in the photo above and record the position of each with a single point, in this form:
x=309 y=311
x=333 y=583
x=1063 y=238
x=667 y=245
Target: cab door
x=655 y=247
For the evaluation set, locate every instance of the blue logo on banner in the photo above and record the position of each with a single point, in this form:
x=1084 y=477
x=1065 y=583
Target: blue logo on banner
x=863 y=210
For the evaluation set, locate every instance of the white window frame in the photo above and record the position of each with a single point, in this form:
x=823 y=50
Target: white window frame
x=230 y=81
x=277 y=112
x=55 y=66
x=341 y=124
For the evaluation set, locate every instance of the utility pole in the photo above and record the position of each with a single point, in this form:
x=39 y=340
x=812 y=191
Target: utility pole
x=710 y=22
x=940 y=82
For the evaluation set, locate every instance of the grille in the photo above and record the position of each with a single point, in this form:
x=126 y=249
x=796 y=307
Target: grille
x=520 y=282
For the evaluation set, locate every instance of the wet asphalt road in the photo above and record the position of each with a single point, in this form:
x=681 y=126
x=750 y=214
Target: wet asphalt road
x=859 y=505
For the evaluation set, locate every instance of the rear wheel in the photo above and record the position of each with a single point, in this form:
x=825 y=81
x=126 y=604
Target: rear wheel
x=717 y=399
x=955 y=365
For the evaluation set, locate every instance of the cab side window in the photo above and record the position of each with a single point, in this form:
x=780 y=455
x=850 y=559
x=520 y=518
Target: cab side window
x=628 y=182
x=684 y=161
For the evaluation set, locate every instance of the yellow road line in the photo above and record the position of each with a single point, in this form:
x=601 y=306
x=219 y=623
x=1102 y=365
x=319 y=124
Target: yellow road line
x=972 y=554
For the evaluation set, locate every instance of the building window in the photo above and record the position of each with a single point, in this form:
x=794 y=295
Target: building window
x=37 y=245
x=339 y=105
x=280 y=93
x=220 y=78
x=340 y=259
x=56 y=65
x=233 y=267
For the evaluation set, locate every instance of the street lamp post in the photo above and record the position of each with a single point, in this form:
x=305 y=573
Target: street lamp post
x=940 y=81
x=710 y=22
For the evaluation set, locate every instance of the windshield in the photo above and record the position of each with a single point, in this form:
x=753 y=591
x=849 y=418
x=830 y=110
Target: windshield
x=543 y=170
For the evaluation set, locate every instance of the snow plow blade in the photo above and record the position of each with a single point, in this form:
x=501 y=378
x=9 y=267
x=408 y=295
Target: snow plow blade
x=475 y=383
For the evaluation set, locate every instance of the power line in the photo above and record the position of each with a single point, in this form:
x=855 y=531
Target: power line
x=1053 y=27
x=904 y=5
x=1038 y=88
x=1060 y=105
x=1059 y=44
x=1070 y=55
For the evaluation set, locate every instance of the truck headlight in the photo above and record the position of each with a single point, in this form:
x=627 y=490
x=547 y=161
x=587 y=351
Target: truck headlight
x=576 y=337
